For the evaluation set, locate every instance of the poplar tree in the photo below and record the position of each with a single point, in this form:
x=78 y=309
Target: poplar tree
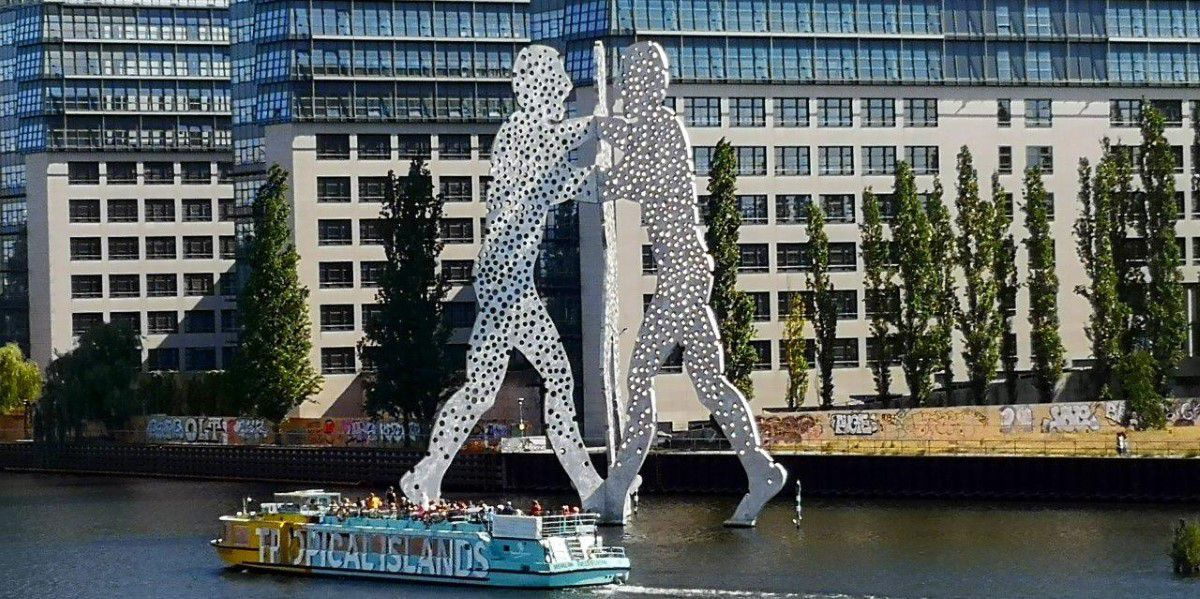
x=1166 y=306
x=795 y=348
x=1047 y=353
x=880 y=288
x=1005 y=272
x=273 y=369
x=941 y=255
x=406 y=344
x=1094 y=238
x=916 y=342
x=977 y=247
x=734 y=309
x=824 y=305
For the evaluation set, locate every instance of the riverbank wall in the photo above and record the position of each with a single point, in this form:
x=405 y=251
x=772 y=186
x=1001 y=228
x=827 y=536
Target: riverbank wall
x=944 y=477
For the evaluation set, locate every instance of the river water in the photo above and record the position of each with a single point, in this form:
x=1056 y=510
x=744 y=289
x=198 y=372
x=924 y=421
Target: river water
x=83 y=536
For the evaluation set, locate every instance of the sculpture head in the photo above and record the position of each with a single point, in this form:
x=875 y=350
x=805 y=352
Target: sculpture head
x=540 y=82
x=644 y=78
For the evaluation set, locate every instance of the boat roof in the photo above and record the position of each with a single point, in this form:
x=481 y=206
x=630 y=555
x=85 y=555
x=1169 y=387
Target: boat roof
x=303 y=496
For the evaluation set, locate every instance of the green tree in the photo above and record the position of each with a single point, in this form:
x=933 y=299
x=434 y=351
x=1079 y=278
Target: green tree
x=880 y=291
x=980 y=320
x=1005 y=272
x=1165 y=312
x=20 y=379
x=1135 y=374
x=1047 y=353
x=734 y=309
x=406 y=343
x=795 y=348
x=916 y=340
x=94 y=381
x=824 y=306
x=273 y=369
x=941 y=255
x=1094 y=238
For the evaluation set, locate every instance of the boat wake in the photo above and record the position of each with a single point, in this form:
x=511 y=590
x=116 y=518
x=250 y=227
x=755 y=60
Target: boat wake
x=641 y=591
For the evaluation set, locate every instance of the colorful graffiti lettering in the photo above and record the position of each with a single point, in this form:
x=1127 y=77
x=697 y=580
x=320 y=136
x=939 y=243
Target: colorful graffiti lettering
x=1185 y=413
x=1071 y=418
x=207 y=429
x=790 y=429
x=1016 y=419
x=858 y=424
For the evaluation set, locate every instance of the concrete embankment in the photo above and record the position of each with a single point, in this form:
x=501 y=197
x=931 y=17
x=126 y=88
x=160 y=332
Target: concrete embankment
x=949 y=477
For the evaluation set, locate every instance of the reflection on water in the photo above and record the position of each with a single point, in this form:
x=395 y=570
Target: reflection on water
x=71 y=536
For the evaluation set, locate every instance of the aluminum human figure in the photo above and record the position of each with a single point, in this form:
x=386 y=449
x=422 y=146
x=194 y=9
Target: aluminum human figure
x=654 y=168
x=531 y=173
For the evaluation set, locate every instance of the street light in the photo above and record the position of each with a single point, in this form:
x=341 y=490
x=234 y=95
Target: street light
x=521 y=415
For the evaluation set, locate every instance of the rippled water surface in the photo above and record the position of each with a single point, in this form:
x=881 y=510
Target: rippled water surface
x=75 y=536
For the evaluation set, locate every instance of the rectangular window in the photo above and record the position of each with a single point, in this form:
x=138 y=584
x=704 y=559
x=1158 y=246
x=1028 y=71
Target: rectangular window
x=370 y=231
x=334 y=275
x=160 y=211
x=334 y=189
x=846 y=304
x=792 y=161
x=161 y=285
x=924 y=159
x=1038 y=113
x=702 y=112
x=1004 y=112
x=225 y=209
x=197 y=211
x=879 y=112
x=754 y=257
x=229 y=247
x=845 y=353
x=199 y=359
x=454 y=147
x=87 y=286
x=1125 y=113
x=85 y=248
x=458 y=272
x=128 y=320
x=199 y=321
x=1171 y=110
x=196 y=172
x=162 y=323
x=790 y=112
x=370 y=271
x=370 y=189
x=198 y=284
x=839 y=207
x=455 y=189
x=337 y=360
x=123 y=248
x=762 y=354
x=458 y=314
x=791 y=209
x=702 y=159
x=333 y=147
x=1040 y=157
x=762 y=305
x=337 y=317
x=162 y=359
x=920 y=112
x=751 y=160
x=124 y=286
x=158 y=173
x=1005 y=164
x=122 y=211
x=649 y=266
x=835 y=112
x=458 y=230
x=81 y=322
x=835 y=160
x=230 y=321
x=413 y=145
x=196 y=247
x=879 y=160
x=84 y=211
x=792 y=257
x=748 y=112
x=120 y=173
x=83 y=173
x=334 y=232
x=753 y=209
x=374 y=147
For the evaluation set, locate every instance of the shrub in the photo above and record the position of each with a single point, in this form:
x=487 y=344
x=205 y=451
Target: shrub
x=1185 y=549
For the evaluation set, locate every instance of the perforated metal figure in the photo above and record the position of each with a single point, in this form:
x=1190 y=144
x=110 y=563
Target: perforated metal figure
x=531 y=173
x=655 y=169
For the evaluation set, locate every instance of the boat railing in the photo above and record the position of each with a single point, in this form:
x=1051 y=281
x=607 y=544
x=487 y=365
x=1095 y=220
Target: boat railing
x=601 y=552
x=567 y=525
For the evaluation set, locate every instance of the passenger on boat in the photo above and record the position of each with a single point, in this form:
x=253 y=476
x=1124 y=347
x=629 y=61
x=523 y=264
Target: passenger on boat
x=535 y=509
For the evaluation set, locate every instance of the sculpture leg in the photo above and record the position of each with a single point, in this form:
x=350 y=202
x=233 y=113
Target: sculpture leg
x=704 y=363
x=487 y=361
x=539 y=342
x=656 y=339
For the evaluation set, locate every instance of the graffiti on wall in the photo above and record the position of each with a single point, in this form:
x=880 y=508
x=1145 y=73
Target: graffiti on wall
x=791 y=429
x=857 y=424
x=1071 y=418
x=207 y=429
x=1016 y=419
x=1184 y=412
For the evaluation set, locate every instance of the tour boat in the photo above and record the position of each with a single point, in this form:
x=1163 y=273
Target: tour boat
x=300 y=532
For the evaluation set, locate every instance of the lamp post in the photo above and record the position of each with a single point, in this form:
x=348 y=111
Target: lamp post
x=521 y=415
